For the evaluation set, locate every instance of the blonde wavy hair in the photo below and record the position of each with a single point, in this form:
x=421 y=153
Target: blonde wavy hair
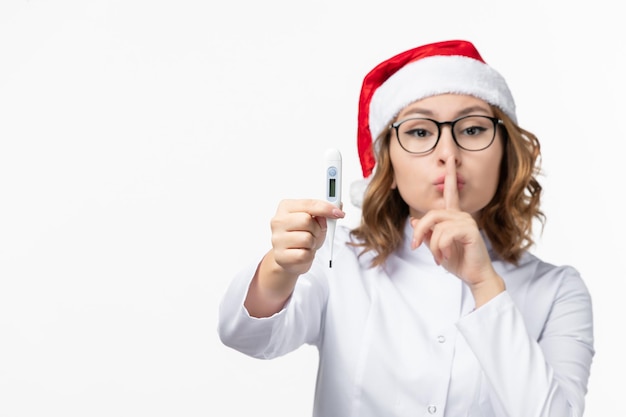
x=507 y=220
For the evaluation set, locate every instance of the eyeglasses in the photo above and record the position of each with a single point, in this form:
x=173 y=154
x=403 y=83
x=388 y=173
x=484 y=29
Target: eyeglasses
x=420 y=135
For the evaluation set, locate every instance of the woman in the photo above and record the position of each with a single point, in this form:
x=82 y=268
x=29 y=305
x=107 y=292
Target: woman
x=433 y=305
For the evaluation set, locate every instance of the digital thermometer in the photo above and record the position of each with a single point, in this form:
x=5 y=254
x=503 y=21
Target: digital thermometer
x=332 y=163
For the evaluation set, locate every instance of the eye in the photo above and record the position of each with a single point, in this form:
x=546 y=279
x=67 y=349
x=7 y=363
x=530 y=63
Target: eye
x=418 y=133
x=418 y=129
x=473 y=126
x=473 y=130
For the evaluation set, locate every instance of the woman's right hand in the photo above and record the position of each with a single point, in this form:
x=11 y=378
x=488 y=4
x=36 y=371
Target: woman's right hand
x=298 y=231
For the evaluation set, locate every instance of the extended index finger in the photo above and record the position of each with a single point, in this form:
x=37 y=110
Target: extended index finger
x=315 y=208
x=450 y=189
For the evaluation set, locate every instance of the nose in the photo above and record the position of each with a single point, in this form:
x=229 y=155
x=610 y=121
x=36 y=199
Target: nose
x=447 y=146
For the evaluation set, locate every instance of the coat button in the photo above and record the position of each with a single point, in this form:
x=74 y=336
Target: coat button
x=441 y=339
x=432 y=409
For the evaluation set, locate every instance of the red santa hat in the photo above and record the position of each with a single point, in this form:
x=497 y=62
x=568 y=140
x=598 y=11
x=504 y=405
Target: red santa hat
x=438 y=68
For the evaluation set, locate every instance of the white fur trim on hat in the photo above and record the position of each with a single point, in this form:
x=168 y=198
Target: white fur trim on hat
x=438 y=75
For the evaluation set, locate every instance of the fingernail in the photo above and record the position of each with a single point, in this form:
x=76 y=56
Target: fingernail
x=338 y=213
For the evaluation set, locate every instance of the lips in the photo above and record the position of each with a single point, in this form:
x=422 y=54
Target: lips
x=440 y=182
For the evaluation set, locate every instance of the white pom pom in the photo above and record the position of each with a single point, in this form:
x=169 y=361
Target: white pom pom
x=357 y=191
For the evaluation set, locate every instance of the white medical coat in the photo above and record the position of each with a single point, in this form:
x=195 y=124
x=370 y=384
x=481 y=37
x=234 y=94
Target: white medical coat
x=405 y=340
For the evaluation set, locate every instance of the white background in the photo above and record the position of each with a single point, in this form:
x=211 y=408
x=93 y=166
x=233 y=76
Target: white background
x=144 y=146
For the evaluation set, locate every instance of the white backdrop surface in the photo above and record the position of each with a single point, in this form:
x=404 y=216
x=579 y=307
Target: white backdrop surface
x=144 y=146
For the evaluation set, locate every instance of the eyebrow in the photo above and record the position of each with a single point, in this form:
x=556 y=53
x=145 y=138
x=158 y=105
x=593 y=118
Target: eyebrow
x=466 y=111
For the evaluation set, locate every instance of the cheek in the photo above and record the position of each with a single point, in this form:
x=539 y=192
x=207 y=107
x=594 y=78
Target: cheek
x=493 y=179
x=406 y=169
x=396 y=164
x=490 y=176
x=411 y=180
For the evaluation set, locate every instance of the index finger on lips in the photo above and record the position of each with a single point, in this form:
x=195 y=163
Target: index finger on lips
x=450 y=188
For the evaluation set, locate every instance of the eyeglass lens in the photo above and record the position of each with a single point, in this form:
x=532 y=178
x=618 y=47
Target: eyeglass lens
x=472 y=133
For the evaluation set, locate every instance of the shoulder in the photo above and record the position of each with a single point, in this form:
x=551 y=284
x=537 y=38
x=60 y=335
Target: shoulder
x=537 y=278
x=543 y=270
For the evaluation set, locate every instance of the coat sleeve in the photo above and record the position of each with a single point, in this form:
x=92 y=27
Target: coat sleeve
x=299 y=322
x=544 y=376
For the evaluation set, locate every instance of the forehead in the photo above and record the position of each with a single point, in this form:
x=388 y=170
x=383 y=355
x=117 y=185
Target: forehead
x=447 y=106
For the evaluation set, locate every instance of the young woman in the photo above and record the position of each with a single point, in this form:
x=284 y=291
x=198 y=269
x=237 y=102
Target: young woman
x=433 y=304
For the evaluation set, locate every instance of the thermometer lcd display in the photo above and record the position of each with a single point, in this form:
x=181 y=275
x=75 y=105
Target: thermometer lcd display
x=331 y=187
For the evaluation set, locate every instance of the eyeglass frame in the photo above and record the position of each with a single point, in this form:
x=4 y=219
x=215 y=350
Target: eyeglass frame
x=496 y=122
